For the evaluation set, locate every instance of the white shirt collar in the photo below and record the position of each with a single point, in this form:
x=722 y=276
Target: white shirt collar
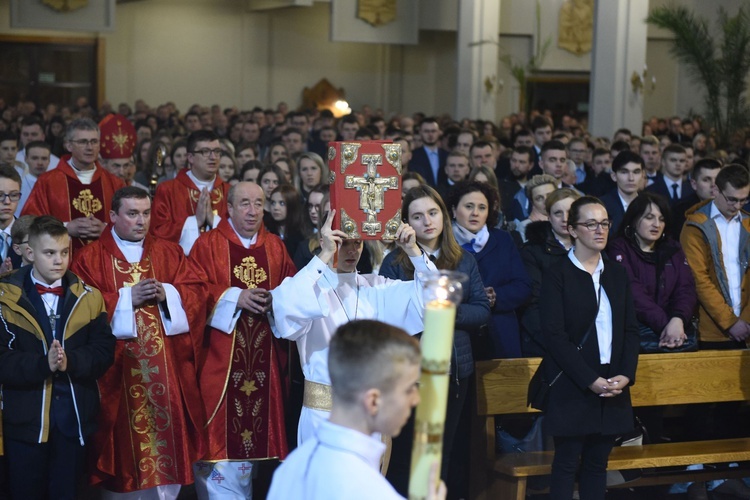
x=716 y=213
x=37 y=282
x=577 y=263
x=201 y=184
x=131 y=250
x=246 y=242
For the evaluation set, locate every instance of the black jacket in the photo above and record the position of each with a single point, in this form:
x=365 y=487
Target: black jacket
x=541 y=253
x=569 y=303
x=27 y=381
x=420 y=164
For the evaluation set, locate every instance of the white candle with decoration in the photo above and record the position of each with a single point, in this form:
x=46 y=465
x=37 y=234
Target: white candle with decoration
x=442 y=294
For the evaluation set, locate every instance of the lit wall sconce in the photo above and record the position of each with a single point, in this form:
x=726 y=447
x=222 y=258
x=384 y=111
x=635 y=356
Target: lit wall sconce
x=641 y=83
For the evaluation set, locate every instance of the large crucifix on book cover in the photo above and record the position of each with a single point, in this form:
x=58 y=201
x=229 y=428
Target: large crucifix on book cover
x=365 y=180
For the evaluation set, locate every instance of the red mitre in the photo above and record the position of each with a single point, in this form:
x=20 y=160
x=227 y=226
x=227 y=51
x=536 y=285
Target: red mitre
x=117 y=137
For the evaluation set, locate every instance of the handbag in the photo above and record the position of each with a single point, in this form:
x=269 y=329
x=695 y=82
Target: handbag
x=537 y=395
x=650 y=340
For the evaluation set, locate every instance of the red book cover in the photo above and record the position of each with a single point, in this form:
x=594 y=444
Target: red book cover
x=365 y=182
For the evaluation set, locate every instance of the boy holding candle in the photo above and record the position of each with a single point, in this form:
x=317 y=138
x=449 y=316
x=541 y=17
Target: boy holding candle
x=374 y=370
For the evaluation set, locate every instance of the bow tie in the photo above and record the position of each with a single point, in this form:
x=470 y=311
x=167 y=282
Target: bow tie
x=55 y=290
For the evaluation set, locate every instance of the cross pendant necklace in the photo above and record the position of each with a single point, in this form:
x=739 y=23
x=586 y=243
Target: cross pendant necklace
x=52 y=316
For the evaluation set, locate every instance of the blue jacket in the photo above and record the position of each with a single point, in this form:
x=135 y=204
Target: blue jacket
x=501 y=267
x=472 y=313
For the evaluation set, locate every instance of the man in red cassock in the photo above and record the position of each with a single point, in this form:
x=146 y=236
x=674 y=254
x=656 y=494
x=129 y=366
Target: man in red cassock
x=151 y=425
x=243 y=377
x=79 y=190
x=196 y=200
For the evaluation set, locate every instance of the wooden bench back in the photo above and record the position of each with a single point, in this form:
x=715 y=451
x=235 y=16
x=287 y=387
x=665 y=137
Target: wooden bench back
x=661 y=379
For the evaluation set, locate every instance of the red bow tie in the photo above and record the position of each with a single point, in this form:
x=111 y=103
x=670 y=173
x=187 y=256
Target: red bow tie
x=55 y=290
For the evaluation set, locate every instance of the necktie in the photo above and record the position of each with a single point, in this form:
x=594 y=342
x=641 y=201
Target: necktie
x=55 y=290
x=4 y=251
x=674 y=191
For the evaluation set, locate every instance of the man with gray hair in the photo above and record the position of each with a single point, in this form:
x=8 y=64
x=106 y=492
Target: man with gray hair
x=79 y=191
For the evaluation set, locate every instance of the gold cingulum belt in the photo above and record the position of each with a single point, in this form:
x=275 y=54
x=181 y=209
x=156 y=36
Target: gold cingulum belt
x=317 y=396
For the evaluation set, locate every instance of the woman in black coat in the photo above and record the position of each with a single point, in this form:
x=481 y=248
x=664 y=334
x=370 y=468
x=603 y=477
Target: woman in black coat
x=589 y=404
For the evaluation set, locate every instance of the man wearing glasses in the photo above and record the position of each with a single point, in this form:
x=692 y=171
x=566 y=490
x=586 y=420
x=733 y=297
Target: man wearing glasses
x=10 y=193
x=196 y=200
x=715 y=240
x=79 y=191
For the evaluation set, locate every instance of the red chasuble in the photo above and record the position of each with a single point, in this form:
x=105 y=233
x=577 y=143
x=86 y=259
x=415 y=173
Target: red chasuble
x=59 y=193
x=151 y=423
x=175 y=201
x=243 y=379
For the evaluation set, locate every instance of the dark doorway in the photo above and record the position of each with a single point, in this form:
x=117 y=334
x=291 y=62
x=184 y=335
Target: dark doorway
x=49 y=70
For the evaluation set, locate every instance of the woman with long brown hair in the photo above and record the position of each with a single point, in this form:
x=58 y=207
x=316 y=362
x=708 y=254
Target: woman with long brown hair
x=424 y=210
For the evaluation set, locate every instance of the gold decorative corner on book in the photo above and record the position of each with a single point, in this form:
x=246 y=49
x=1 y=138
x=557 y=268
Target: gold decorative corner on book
x=331 y=177
x=349 y=226
x=349 y=152
x=331 y=153
x=393 y=156
x=391 y=227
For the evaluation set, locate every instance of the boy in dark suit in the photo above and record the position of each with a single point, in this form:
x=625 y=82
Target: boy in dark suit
x=55 y=341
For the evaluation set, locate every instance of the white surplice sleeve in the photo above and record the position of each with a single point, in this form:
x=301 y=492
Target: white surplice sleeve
x=226 y=313
x=123 y=319
x=191 y=232
x=298 y=301
x=177 y=322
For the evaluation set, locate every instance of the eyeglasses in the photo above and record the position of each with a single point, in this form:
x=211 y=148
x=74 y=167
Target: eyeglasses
x=206 y=153
x=12 y=196
x=593 y=225
x=85 y=142
x=732 y=200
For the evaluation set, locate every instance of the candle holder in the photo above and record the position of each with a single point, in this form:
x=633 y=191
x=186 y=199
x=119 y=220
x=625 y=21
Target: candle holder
x=442 y=293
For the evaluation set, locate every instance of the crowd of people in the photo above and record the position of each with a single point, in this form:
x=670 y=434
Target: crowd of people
x=186 y=265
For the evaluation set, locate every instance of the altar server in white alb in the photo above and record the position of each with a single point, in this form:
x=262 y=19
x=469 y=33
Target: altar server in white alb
x=309 y=306
x=374 y=372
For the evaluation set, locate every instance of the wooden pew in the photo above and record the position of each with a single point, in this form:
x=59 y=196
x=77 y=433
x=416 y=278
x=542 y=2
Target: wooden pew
x=661 y=379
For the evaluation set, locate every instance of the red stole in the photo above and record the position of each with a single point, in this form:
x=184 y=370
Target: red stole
x=250 y=417
x=147 y=424
x=85 y=200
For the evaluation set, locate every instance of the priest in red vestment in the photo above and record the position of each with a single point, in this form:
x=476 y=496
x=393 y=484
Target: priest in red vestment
x=196 y=200
x=151 y=424
x=79 y=191
x=243 y=376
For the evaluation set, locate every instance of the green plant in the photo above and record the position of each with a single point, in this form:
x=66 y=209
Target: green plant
x=719 y=65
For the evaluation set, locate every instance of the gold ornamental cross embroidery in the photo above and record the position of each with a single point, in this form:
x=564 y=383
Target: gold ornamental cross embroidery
x=86 y=203
x=371 y=189
x=144 y=371
x=249 y=273
x=120 y=139
x=153 y=444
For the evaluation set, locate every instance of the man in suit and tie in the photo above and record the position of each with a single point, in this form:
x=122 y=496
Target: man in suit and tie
x=652 y=158
x=429 y=159
x=671 y=184
x=10 y=194
x=627 y=172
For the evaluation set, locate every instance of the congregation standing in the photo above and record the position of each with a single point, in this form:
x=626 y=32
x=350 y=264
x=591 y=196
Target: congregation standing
x=187 y=268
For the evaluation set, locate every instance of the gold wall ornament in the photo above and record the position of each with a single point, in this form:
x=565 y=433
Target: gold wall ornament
x=393 y=156
x=377 y=12
x=249 y=273
x=371 y=192
x=66 y=5
x=576 y=26
x=86 y=203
